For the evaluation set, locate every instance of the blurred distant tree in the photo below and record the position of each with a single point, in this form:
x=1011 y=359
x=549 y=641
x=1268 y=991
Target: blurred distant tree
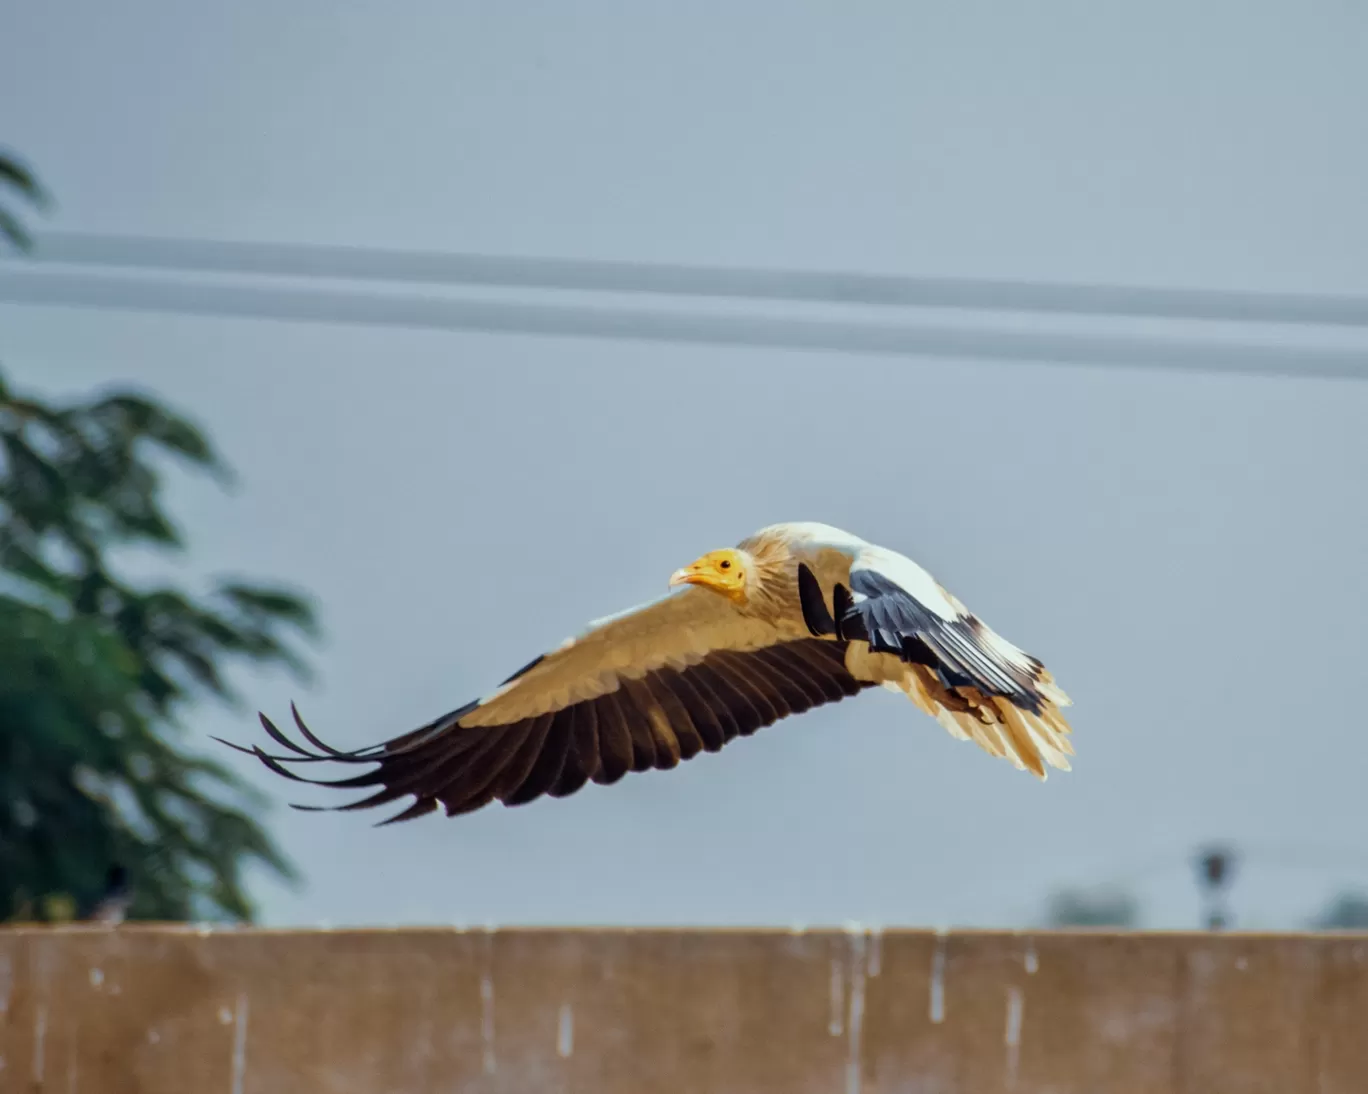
x=1105 y=907
x=16 y=178
x=94 y=672
x=1346 y=912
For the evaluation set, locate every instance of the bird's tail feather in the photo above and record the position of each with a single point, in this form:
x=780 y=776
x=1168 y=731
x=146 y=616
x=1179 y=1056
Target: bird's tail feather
x=1028 y=740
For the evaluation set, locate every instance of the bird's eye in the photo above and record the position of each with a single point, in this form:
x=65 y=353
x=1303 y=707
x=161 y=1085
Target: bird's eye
x=726 y=564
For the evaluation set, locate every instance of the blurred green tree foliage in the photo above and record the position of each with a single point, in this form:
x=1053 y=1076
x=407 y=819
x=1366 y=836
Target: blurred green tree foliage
x=1348 y=911
x=1101 y=907
x=17 y=179
x=97 y=672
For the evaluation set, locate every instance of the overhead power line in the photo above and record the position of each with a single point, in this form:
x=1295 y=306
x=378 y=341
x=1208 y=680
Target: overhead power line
x=52 y=287
x=805 y=286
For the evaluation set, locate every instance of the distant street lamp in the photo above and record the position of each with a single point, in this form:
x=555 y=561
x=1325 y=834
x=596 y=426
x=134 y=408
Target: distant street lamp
x=1215 y=867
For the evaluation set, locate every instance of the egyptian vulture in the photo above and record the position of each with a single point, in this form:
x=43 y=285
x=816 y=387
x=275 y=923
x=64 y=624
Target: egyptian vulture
x=793 y=617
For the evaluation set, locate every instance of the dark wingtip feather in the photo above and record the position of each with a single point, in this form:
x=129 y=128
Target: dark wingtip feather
x=308 y=736
x=378 y=754
x=279 y=738
x=844 y=605
x=254 y=750
x=275 y=765
x=815 y=615
x=419 y=808
x=381 y=798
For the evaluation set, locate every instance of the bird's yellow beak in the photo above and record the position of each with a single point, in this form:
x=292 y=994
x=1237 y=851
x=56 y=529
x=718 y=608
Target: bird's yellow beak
x=687 y=575
x=701 y=571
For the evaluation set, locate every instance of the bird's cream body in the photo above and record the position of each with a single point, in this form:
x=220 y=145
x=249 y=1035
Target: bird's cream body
x=741 y=645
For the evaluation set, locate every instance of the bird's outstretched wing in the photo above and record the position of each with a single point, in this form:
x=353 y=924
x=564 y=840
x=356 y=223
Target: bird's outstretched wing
x=923 y=641
x=644 y=689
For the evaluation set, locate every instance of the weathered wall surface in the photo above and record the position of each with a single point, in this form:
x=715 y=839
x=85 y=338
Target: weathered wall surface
x=170 y=1010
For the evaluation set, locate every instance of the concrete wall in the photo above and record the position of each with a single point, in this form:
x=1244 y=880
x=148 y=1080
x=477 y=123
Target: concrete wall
x=169 y=1010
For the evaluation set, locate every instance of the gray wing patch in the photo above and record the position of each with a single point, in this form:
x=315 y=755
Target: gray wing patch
x=893 y=621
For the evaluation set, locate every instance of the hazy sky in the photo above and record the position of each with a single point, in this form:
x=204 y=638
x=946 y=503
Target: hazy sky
x=1186 y=552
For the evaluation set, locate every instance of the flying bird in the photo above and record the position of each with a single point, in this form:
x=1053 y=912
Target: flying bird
x=793 y=617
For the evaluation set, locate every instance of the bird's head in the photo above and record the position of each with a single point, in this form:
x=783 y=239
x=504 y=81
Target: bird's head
x=722 y=571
